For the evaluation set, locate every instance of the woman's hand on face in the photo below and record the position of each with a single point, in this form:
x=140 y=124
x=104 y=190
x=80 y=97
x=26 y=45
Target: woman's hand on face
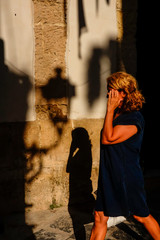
x=114 y=100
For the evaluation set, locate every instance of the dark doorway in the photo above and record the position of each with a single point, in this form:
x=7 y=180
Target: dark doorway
x=148 y=79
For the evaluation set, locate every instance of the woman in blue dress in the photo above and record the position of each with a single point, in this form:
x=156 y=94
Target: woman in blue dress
x=121 y=185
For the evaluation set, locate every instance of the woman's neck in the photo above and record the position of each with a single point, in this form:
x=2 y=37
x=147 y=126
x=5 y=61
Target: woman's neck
x=117 y=113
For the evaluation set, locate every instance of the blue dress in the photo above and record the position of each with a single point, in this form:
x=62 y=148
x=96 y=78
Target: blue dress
x=121 y=184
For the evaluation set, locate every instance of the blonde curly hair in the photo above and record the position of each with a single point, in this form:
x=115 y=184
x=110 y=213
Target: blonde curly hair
x=125 y=82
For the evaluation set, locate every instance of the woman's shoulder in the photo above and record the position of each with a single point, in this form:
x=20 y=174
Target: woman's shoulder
x=133 y=114
x=131 y=118
x=137 y=115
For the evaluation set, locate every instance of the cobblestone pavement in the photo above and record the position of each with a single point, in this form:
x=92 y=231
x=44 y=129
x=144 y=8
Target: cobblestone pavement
x=58 y=224
x=74 y=224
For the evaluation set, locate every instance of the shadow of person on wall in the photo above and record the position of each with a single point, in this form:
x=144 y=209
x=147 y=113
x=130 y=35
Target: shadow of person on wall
x=14 y=90
x=81 y=200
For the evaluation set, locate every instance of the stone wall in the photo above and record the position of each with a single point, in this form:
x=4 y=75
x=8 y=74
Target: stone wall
x=48 y=180
x=48 y=139
x=42 y=160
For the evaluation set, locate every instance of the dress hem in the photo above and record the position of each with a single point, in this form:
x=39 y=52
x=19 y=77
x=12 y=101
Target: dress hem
x=123 y=215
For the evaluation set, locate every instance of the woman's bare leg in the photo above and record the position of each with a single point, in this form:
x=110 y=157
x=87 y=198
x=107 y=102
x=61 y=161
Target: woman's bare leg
x=99 y=229
x=151 y=225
